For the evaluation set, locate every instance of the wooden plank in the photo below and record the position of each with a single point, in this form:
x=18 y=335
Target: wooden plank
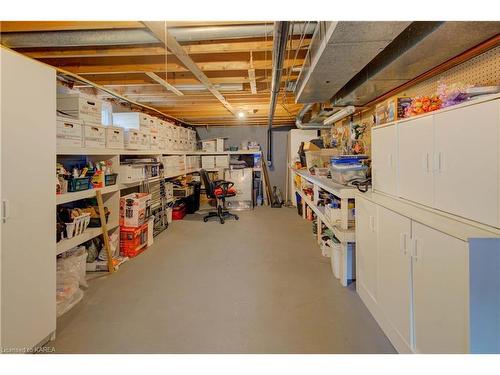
x=160 y=31
x=170 y=67
x=148 y=50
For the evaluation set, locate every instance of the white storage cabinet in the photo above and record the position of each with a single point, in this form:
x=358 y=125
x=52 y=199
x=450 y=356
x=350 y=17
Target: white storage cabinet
x=28 y=202
x=413 y=279
x=384 y=159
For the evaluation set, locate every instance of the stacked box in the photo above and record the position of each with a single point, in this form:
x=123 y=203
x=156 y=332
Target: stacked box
x=94 y=136
x=132 y=139
x=131 y=120
x=135 y=209
x=83 y=107
x=115 y=137
x=69 y=132
x=208 y=162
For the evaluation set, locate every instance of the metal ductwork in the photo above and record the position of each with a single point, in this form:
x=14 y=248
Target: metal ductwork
x=338 y=51
x=281 y=29
x=75 y=38
x=315 y=123
x=421 y=47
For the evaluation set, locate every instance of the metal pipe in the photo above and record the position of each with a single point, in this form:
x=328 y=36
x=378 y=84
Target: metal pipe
x=310 y=125
x=75 y=38
x=281 y=29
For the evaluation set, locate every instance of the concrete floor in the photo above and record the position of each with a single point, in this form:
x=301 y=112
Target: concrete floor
x=257 y=285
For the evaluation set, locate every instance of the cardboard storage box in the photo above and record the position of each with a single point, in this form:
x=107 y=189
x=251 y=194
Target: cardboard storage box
x=222 y=161
x=391 y=110
x=144 y=140
x=132 y=139
x=69 y=132
x=83 y=107
x=130 y=173
x=115 y=137
x=94 y=136
x=135 y=209
x=154 y=142
x=213 y=145
x=208 y=162
x=131 y=120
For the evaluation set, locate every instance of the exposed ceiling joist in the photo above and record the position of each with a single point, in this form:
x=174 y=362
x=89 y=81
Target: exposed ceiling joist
x=160 y=31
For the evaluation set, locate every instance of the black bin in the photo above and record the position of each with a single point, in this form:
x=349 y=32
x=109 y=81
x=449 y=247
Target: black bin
x=193 y=201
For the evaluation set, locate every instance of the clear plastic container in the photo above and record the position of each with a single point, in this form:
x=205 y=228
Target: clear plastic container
x=343 y=173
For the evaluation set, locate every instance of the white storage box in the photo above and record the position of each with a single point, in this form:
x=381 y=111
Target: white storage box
x=84 y=107
x=134 y=209
x=222 y=161
x=69 y=132
x=131 y=120
x=213 y=145
x=130 y=173
x=115 y=137
x=208 y=162
x=145 y=140
x=154 y=142
x=94 y=136
x=132 y=139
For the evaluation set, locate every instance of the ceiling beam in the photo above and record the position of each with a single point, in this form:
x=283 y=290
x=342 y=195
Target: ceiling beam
x=147 y=50
x=159 y=30
x=26 y=26
x=164 y=83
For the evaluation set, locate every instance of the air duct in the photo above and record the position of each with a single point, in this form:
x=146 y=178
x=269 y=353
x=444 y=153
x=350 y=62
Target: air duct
x=281 y=29
x=311 y=125
x=75 y=38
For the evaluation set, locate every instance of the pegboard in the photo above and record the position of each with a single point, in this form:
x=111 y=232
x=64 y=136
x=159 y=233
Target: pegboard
x=482 y=70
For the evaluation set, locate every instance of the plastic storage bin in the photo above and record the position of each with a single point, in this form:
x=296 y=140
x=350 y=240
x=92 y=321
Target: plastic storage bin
x=345 y=169
x=78 y=184
x=110 y=179
x=335 y=258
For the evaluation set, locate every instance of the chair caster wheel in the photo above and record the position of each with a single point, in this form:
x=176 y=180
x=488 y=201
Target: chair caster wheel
x=237 y=217
x=222 y=221
x=205 y=219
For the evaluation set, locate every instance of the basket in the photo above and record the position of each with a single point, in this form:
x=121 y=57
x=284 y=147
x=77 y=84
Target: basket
x=78 y=226
x=78 y=184
x=110 y=179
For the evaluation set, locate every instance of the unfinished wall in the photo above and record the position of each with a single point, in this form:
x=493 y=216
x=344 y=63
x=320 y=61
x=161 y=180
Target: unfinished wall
x=237 y=134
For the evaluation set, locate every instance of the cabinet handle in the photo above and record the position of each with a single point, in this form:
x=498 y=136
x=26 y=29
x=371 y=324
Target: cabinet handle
x=415 y=250
x=390 y=160
x=372 y=223
x=5 y=210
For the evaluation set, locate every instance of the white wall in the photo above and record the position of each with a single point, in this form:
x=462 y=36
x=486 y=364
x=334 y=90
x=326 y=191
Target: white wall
x=237 y=134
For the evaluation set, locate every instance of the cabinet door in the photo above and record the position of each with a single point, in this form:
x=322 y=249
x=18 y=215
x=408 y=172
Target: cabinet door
x=394 y=275
x=384 y=153
x=467 y=162
x=28 y=117
x=415 y=160
x=366 y=247
x=440 y=291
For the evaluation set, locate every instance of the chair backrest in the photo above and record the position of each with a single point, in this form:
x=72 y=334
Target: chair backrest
x=209 y=186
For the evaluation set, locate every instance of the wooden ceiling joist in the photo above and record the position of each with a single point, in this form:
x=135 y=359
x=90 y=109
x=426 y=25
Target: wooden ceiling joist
x=160 y=31
x=148 y=50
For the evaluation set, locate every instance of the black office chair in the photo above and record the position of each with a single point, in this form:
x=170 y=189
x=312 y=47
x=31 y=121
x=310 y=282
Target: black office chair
x=218 y=190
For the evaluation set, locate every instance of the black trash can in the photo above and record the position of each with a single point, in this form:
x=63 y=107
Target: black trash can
x=193 y=201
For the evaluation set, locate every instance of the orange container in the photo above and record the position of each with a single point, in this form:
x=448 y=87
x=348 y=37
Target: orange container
x=133 y=241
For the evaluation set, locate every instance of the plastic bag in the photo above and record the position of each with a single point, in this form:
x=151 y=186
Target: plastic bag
x=113 y=244
x=69 y=277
